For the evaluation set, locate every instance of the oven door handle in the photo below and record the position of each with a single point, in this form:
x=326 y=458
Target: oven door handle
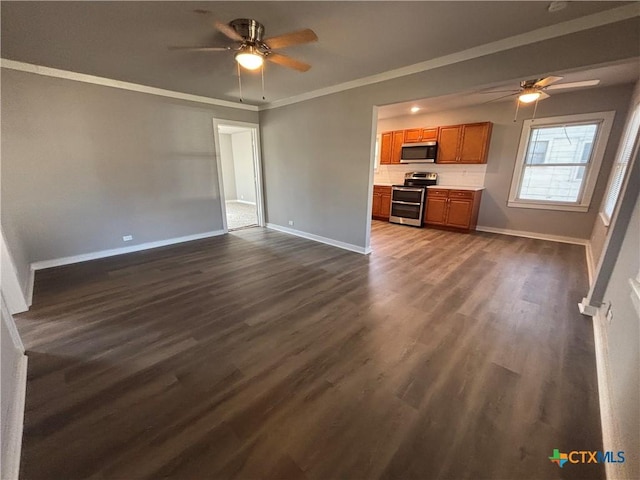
x=408 y=189
x=405 y=203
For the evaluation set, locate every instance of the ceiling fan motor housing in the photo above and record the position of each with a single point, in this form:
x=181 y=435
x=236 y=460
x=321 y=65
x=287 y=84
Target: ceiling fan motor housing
x=249 y=29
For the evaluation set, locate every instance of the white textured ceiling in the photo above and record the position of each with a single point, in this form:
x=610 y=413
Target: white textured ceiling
x=128 y=40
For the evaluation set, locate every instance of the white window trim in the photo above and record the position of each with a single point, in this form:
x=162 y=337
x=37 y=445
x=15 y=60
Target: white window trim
x=589 y=185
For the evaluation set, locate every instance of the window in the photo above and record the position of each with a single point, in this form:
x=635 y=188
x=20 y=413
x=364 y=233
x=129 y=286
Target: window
x=620 y=167
x=558 y=161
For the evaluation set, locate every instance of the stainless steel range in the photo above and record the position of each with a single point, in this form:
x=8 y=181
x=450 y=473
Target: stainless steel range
x=408 y=200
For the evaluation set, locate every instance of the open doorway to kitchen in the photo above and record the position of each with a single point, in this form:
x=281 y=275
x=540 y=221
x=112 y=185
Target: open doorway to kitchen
x=240 y=174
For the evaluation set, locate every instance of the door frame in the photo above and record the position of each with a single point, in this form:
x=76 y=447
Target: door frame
x=257 y=167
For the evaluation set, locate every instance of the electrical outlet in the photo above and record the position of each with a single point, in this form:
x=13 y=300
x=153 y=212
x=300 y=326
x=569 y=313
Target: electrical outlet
x=127 y=238
x=241 y=197
x=291 y=223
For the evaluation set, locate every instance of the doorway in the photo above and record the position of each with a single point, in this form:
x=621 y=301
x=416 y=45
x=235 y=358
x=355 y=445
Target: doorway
x=240 y=174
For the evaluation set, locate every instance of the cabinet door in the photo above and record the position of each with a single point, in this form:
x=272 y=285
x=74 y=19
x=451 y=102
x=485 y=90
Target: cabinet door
x=385 y=205
x=386 y=148
x=429 y=134
x=474 y=143
x=396 y=151
x=375 y=210
x=448 y=144
x=459 y=212
x=412 y=135
x=436 y=210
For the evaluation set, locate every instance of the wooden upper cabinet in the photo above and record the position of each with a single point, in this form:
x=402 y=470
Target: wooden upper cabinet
x=396 y=149
x=412 y=135
x=385 y=147
x=391 y=147
x=429 y=134
x=467 y=143
x=448 y=139
x=474 y=143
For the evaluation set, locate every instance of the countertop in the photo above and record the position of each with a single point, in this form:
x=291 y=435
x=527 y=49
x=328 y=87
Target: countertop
x=456 y=187
x=445 y=187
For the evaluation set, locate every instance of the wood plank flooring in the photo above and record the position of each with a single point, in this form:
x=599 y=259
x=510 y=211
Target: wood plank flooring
x=258 y=355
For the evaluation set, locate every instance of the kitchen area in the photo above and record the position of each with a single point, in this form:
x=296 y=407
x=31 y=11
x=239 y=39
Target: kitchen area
x=430 y=175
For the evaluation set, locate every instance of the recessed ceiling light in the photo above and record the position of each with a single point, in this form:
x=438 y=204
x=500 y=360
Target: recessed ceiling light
x=415 y=109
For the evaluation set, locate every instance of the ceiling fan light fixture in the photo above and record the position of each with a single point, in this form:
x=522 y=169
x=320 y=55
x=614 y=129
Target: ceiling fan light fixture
x=529 y=95
x=249 y=58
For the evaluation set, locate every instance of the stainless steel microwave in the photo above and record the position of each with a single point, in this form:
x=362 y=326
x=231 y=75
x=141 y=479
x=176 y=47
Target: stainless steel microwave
x=424 y=152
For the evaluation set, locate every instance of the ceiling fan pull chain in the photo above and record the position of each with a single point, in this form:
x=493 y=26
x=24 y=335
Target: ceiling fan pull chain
x=262 y=71
x=535 y=109
x=515 y=118
x=239 y=81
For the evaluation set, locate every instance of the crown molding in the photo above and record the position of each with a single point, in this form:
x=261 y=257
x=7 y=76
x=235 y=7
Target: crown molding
x=109 y=82
x=553 y=31
x=546 y=33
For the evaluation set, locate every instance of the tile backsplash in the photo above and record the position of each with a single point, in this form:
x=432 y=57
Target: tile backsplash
x=462 y=175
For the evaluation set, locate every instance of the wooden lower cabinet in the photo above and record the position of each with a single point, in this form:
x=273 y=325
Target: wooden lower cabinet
x=381 y=202
x=453 y=208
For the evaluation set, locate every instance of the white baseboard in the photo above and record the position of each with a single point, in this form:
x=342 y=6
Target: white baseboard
x=244 y=202
x=318 y=238
x=537 y=236
x=611 y=438
x=56 y=262
x=590 y=263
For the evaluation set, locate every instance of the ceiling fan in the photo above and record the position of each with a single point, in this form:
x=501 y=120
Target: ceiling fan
x=252 y=49
x=535 y=90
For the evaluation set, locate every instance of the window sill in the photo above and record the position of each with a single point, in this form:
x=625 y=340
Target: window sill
x=605 y=221
x=548 y=206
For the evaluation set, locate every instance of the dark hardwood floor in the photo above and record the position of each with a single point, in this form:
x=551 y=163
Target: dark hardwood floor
x=261 y=355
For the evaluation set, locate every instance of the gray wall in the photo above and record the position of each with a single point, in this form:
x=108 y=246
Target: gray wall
x=243 y=164
x=317 y=153
x=228 y=169
x=83 y=165
x=623 y=336
x=494 y=211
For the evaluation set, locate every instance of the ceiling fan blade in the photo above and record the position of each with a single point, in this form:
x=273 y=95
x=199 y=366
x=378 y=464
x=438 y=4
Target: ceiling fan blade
x=499 y=98
x=543 y=96
x=547 y=81
x=200 y=49
x=287 y=61
x=500 y=91
x=294 y=38
x=228 y=31
x=583 y=83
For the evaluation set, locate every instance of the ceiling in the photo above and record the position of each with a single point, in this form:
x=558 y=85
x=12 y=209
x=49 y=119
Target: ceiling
x=128 y=41
x=613 y=74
